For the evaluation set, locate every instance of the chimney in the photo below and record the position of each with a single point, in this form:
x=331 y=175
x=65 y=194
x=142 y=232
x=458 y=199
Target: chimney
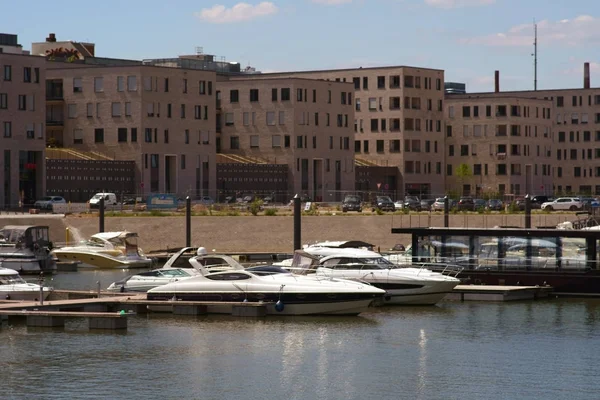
x=586 y=75
x=51 y=38
x=497 y=81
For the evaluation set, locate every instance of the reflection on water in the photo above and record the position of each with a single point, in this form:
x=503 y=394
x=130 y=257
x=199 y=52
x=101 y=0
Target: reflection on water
x=523 y=350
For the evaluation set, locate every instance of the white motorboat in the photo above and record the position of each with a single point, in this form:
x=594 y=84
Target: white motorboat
x=13 y=287
x=282 y=292
x=403 y=285
x=106 y=250
x=26 y=249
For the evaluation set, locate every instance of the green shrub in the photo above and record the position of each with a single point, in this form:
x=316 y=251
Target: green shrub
x=233 y=213
x=271 y=212
x=378 y=211
x=255 y=207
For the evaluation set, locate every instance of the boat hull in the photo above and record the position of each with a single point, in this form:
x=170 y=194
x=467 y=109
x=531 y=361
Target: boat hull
x=293 y=304
x=29 y=266
x=102 y=261
x=12 y=292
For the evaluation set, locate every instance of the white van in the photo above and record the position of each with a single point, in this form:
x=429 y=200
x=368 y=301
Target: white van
x=109 y=199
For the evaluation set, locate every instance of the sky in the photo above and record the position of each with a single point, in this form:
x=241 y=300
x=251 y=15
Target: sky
x=469 y=39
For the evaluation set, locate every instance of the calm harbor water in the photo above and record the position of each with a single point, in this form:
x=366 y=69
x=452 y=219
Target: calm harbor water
x=528 y=350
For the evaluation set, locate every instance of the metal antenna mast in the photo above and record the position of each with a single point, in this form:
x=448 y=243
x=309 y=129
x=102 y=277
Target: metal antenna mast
x=534 y=55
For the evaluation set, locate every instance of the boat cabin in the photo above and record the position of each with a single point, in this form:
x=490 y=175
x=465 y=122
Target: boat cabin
x=25 y=237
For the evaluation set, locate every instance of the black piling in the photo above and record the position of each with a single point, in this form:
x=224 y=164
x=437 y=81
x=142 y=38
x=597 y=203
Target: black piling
x=297 y=223
x=101 y=215
x=528 y=212
x=188 y=222
x=446 y=212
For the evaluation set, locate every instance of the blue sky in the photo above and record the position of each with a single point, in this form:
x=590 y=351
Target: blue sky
x=469 y=39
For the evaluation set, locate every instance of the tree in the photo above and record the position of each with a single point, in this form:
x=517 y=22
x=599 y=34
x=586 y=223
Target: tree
x=463 y=172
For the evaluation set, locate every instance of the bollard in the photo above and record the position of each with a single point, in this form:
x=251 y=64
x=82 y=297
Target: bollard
x=297 y=223
x=527 y=212
x=446 y=210
x=101 y=215
x=42 y=288
x=188 y=222
x=67 y=236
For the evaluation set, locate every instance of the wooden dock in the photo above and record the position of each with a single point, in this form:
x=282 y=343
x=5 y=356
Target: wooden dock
x=498 y=293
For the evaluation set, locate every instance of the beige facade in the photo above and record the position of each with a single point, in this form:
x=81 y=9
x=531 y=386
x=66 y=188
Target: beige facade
x=161 y=118
x=498 y=145
x=304 y=123
x=22 y=144
x=398 y=121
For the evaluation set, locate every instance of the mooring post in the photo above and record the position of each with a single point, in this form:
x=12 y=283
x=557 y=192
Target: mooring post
x=188 y=222
x=297 y=223
x=446 y=210
x=527 y=212
x=98 y=286
x=42 y=288
x=101 y=215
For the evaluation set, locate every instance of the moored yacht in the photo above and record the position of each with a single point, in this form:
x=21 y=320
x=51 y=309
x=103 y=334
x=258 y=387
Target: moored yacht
x=282 y=292
x=403 y=285
x=26 y=249
x=13 y=287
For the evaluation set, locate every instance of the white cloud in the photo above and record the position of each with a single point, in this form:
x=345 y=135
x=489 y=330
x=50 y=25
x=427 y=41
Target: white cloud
x=458 y=3
x=219 y=14
x=570 y=32
x=331 y=2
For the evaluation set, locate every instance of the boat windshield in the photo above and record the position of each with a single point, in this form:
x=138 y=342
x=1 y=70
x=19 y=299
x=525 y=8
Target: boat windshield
x=174 y=273
x=358 y=263
x=11 y=279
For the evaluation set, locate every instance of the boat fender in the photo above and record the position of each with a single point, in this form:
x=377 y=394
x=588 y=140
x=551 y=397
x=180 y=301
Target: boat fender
x=279 y=306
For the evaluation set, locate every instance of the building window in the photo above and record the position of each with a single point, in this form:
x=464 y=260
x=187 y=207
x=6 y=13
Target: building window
x=228 y=119
x=132 y=83
x=198 y=112
x=271 y=118
x=7 y=72
x=276 y=141
x=365 y=83
x=72 y=110
x=202 y=87
x=27 y=74
x=182 y=158
x=3 y=101
x=374 y=125
x=285 y=94
x=133 y=135
x=183 y=111
x=166 y=136
x=169 y=109
x=395 y=146
x=286 y=141
x=127 y=109
x=148 y=135
x=234 y=96
x=299 y=141
x=274 y=94
x=234 y=142
x=246 y=118
x=185 y=88
x=379 y=145
x=381 y=82
x=186 y=136
x=166 y=85
x=116 y=109
x=22 y=102
x=122 y=135
x=7 y=129
x=120 y=83
x=253 y=95
x=98 y=84
x=99 y=135
x=78 y=136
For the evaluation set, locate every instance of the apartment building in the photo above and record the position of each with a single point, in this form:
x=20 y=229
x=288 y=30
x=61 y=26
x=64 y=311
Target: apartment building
x=304 y=123
x=22 y=144
x=575 y=119
x=498 y=145
x=398 y=121
x=161 y=118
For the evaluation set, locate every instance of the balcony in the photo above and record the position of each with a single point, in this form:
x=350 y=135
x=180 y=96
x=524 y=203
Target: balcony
x=54 y=123
x=54 y=90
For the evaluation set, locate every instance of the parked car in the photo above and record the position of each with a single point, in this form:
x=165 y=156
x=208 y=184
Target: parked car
x=519 y=203
x=206 y=200
x=479 y=204
x=466 y=204
x=412 y=203
x=426 y=204
x=352 y=203
x=383 y=203
x=564 y=203
x=590 y=202
x=109 y=199
x=537 y=201
x=399 y=205
x=438 y=204
x=45 y=203
x=495 y=205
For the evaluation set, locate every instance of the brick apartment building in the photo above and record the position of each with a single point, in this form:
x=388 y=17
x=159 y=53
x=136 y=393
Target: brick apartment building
x=399 y=121
x=22 y=144
x=304 y=123
x=161 y=118
x=506 y=142
x=573 y=153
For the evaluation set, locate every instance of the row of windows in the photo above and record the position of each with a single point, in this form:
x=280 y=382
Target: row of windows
x=200 y=112
x=500 y=130
x=574 y=136
x=301 y=142
x=501 y=111
x=414 y=167
x=394 y=103
x=579 y=172
x=410 y=146
x=29 y=133
x=394 y=82
x=89 y=178
x=500 y=150
x=588 y=154
x=502 y=169
x=563 y=119
x=151 y=136
x=24 y=102
x=118 y=109
x=130 y=84
x=154 y=161
x=284 y=94
x=253 y=179
x=30 y=75
x=577 y=101
x=410 y=124
x=273 y=118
